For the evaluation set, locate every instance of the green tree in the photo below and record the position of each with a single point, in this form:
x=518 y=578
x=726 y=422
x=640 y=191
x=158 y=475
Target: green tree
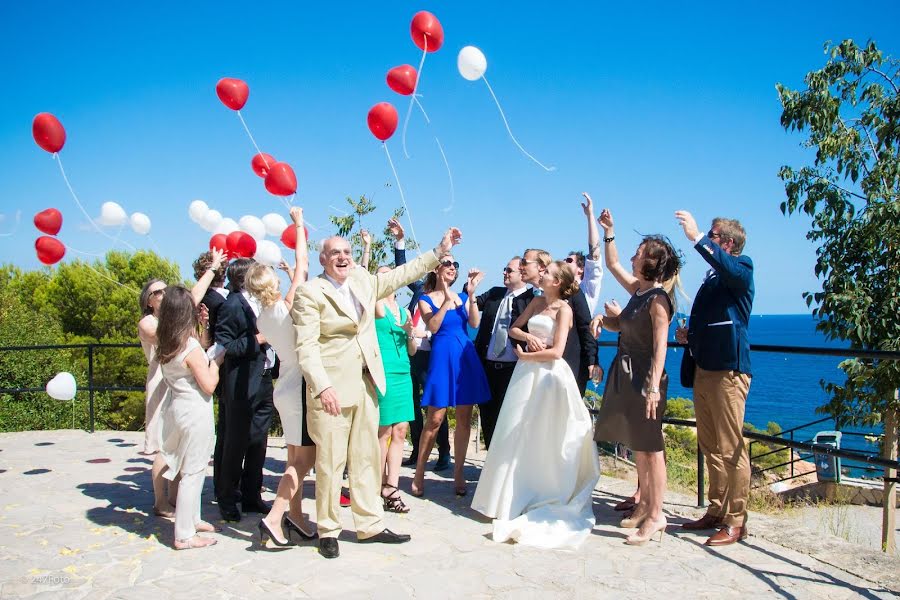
x=349 y=226
x=851 y=110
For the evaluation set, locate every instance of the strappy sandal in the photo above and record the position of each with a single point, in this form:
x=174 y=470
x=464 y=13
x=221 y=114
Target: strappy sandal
x=393 y=502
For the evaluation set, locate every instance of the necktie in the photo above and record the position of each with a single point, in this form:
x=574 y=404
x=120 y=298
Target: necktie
x=501 y=327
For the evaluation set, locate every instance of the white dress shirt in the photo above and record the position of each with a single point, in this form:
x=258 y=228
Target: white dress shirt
x=508 y=355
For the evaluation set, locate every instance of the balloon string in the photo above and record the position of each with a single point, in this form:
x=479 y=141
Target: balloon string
x=255 y=145
x=449 y=176
x=100 y=273
x=415 y=88
x=15 y=227
x=402 y=198
x=422 y=108
x=512 y=137
x=78 y=202
x=153 y=243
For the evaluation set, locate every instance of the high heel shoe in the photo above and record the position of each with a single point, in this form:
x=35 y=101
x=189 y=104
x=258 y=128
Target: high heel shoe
x=266 y=532
x=632 y=521
x=636 y=539
x=289 y=525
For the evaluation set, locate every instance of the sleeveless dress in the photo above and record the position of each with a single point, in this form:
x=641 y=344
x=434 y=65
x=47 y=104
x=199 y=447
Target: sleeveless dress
x=396 y=406
x=187 y=430
x=155 y=393
x=540 y=472
x=622 y=416
x=289 y=396
x=455 y=374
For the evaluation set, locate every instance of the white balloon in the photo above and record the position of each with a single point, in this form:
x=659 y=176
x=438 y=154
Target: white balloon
x=471 y=63
x=253 y=225
x=62 y=387
x=226 y=226
x=111 y=214
x=267 y=253
x=275 y=224
x=140 y=223
x=211 y=220
x=197 y=210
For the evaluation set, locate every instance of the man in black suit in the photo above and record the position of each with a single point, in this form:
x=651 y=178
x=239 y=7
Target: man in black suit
x=213 y=299
x=246 y=379
x=418 y=364
x=581 y=347
x=500 y=307
x=718 y=367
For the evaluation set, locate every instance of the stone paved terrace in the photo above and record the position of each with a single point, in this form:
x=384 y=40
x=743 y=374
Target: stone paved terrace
x=74 y=522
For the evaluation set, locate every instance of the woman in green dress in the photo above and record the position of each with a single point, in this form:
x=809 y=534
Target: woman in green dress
x=393 y=325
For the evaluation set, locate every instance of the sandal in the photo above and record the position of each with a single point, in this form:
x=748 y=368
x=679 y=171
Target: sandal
x=393 y=502
x=194 y=542
x=205 y=527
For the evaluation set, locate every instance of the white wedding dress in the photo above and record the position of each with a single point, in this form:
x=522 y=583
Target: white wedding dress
x=542 y=467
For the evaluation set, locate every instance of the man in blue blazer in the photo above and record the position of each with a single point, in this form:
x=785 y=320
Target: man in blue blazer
x=720 y=350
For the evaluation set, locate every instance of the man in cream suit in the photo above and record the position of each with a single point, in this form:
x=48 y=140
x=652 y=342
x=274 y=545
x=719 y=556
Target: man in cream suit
x=333 y=317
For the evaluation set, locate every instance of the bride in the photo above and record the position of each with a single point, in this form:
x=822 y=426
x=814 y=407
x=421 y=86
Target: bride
x=542 y=467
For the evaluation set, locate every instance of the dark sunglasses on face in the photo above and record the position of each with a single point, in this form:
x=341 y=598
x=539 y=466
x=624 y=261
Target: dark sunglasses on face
x=448 y=263
x=569 y=259
x=508 y=270
x=714 y=235
x=524 y=262
x=159 y=292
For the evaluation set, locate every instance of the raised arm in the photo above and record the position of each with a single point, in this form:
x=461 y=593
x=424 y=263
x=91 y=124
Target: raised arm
x=625 y=279
x=199 y=289
x=396 y=230
x=390 y=281
x=475 y=277
x=563 y=324
x=366 y=249
x=301 y=256
x=736 y=271
x=593 y=233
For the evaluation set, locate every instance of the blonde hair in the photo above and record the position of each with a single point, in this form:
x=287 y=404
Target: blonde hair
x=262 y=282
x=731 y=229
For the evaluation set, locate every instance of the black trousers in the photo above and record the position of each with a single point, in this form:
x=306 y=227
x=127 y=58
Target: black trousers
x=244 y=437
x=418 y=363
x=498 y=377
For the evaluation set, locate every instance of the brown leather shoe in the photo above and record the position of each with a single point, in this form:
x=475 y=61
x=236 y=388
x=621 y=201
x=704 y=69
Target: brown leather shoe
x=727 y=536
x=707 y=521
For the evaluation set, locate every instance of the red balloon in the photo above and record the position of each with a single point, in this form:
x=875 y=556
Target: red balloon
x=48 y=221
x=241 y=244
x=232 y=92
x=48 y=132
x=426 y=26
x=219 y=242
x=383 y=120
x=261 y=163
x=49 y=249
x=281 y=180
x=402 y=79
x=289 y=236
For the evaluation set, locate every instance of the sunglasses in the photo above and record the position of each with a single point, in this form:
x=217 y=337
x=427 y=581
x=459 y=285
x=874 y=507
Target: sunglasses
x=714 y=236
x=450 y=263
x=570 y=260
x=524 y=262
x=159 y=292
x=508 y=270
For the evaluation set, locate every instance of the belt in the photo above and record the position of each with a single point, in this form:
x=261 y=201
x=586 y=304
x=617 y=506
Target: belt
x=500 y=364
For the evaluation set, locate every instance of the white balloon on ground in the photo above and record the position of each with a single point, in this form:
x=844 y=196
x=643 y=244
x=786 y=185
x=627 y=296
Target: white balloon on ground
x=197 y=210
x=62 y=386
x=275 y=224
x=252 y=225
x=226 y=226
x=211 y=220
x=140 y=223
x=112 y=215
x=267 y=253
x=471 y=63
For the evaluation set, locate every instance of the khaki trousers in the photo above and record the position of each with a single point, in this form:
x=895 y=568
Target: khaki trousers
x=719 y=401
x=351 y=439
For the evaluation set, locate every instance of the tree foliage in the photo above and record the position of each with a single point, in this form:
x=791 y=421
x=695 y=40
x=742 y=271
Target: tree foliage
x=850 y=111
x=350 y=225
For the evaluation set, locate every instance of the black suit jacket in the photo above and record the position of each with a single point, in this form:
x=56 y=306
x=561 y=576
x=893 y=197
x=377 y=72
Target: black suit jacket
x=488 y=304
x=213 y=300
x=581 y=347
x=245 y=358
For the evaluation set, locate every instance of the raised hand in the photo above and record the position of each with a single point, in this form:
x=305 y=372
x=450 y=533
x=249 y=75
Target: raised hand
x=396 y=228
x=606 y=220
x=297 y=215
x=688 y=224
x=283 y=266
x=218 y=257
x=450 y=239
x=475 y=277
x=366 y=237
x=588 y=205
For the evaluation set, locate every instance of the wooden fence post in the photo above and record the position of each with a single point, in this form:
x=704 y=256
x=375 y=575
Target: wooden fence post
x=889 y=498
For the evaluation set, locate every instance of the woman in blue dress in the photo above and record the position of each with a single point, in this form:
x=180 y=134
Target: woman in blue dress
x=455 y=376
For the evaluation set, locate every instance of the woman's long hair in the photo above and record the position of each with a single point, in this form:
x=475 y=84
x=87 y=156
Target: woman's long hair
x=178 y=320
x=431 y=279
x=262 y=282
x=144 y=300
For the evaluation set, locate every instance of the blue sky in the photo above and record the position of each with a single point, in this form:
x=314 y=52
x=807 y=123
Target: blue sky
x=650 y=108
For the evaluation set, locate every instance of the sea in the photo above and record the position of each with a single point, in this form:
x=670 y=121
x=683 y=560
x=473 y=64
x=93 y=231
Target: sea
x=786 y=387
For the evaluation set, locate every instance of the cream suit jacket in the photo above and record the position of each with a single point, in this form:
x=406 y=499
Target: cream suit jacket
x=333 y=345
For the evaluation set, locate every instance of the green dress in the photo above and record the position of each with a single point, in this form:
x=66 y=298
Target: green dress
x=396 y=405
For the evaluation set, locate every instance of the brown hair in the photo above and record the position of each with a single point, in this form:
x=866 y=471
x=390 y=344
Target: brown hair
x=178 y=319
x=237 y=270
x=431 y=278
x=568 y=287
x=662 y=264
x=144 y=300
x=203 y=263
x=731 y=229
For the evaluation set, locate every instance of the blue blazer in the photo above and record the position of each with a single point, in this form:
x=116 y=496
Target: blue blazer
x=720 y=317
